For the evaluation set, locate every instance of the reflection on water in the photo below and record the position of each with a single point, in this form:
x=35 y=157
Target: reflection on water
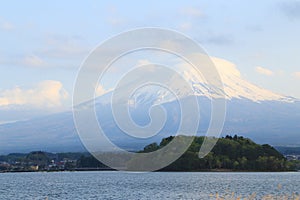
x=160 y=185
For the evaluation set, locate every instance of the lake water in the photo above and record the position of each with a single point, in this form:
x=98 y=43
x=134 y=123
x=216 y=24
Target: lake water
x=160 y=185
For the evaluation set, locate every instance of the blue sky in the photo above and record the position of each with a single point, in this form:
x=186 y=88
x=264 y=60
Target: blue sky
x=44 y=42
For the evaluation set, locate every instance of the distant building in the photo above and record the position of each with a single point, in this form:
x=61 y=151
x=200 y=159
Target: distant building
x=292 y=157
x=4 y=165
x=34 y=167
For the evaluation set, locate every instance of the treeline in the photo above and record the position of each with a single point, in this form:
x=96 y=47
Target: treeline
x=230 y=153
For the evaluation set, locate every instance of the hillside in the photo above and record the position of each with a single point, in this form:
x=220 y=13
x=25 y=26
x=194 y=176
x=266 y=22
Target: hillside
x=230 y=153
x=251 y=111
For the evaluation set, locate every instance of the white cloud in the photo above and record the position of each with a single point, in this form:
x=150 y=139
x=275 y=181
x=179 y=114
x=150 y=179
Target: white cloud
x=5 y=25
x=147 y=64
x=193 y=12
x=264 y=71
x=57 y=51
x=234 y=85
x=296 y=74
x=100 y=90
x=46 y=94
x=171 y=45
x=143 y=62
x=7 y=122
x=25 y=61
x=33 y=61
x=64 y=47
x=185 y=26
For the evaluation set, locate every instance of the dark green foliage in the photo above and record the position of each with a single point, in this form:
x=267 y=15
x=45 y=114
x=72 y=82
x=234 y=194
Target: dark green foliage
x=71 y=155
x=151 y=147
x=37 y=158
x=89 y=162
x=230 y=153
x=165 y=141
x=12 y=157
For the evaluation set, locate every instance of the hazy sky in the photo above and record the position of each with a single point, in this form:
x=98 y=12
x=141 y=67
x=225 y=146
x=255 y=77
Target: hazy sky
x=44 y=42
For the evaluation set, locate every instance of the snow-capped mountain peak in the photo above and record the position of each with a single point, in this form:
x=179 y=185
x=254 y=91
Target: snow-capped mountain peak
x=234 y=87
x=234 y=84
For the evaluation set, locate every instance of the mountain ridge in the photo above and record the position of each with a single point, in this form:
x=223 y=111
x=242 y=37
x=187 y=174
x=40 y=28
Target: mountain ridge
x=254 y=112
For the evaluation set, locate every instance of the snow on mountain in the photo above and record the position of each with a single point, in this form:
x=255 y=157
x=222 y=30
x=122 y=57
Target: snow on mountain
x=262 y=115
x=234 y=87
x=234 y=84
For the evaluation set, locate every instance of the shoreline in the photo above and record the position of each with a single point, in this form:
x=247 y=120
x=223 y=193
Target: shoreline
x=114 y=170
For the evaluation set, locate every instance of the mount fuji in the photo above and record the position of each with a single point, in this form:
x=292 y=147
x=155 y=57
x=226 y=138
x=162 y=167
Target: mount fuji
x=254 y=112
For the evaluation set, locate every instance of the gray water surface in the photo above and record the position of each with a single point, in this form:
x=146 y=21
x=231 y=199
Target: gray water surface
x=158 y=185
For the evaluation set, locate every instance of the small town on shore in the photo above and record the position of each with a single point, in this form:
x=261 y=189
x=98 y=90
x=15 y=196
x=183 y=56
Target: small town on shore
x=44 y=161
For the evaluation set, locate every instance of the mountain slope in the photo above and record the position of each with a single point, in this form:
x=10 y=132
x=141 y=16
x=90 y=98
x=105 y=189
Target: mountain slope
x=254 y=112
